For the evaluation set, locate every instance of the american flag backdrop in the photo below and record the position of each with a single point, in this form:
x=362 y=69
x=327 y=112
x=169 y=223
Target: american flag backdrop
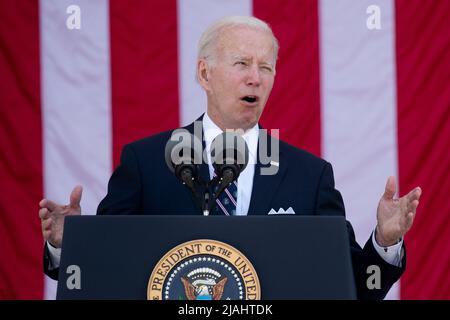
x=373 y=102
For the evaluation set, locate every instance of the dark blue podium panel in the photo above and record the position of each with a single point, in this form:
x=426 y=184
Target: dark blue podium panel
x=295 y=257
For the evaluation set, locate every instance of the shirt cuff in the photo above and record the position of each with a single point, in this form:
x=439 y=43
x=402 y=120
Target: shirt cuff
x=54 y=256
x=392 y=254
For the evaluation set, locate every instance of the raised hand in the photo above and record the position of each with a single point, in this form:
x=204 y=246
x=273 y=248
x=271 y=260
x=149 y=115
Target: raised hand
x=52 y=216
x=395 y=216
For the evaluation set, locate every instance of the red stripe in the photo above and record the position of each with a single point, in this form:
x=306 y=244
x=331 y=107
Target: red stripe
x=21 y=242
x=144 y=69
x=423 y=86
x=294 y=105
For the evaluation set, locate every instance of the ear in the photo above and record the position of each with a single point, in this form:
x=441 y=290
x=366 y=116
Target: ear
x=203 y=73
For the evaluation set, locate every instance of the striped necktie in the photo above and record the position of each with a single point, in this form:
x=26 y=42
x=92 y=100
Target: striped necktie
x=227 y=201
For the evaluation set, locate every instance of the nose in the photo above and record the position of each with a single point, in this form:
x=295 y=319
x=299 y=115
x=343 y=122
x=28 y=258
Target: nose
x=254 y=77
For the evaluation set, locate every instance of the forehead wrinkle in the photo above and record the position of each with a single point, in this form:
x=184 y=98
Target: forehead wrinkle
x=241 y=57
x=226 y=39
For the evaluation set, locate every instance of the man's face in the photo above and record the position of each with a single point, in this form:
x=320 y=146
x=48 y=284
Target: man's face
x=240 y=77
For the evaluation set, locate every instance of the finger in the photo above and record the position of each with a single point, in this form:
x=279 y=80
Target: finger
x=412 y=206
x=75 y=197
x=50 y=205
x=47 y=224
x=44 y=213
x=390 y=189
x=414 y=194
x=410 y=219
x=47 y=234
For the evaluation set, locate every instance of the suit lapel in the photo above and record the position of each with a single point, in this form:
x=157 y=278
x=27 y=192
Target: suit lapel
x=204 y=169
x=265 y=186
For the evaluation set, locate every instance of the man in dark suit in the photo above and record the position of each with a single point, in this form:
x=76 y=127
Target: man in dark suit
x=236 y=68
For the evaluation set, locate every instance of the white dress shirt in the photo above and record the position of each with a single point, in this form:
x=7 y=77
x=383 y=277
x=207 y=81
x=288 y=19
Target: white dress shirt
x=245 y=180
x=392 y=254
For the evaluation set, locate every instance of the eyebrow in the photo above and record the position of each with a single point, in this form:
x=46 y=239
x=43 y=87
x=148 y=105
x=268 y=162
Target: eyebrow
x=238 y=57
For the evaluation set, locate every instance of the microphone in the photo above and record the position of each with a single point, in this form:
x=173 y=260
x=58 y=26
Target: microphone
x=181 y=155
x=229 y=155
x=187 y=173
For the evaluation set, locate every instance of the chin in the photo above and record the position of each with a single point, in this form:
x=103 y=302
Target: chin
x=250 y=120
x=248 y=123
x=244 y=120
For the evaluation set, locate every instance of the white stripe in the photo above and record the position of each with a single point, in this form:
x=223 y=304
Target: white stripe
x=223 y=208
x=193 y=18
x=76 y=103
x=359 y=105
x=230 y=196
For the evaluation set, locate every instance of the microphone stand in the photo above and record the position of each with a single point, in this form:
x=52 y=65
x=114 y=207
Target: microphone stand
x=202 y=191
x=208 y=200
x=205 y=203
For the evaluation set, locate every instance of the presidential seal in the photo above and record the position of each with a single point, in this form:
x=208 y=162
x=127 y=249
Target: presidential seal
x=204 y=270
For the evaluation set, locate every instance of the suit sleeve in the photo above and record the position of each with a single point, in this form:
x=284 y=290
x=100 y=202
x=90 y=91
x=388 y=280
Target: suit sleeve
x=124 y=187
x=49 y=270
x=329 y=202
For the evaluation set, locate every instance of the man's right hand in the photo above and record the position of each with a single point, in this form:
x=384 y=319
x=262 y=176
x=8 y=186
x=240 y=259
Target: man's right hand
x=52 y=216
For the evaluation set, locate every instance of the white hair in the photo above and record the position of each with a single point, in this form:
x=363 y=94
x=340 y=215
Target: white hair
x=208 y=40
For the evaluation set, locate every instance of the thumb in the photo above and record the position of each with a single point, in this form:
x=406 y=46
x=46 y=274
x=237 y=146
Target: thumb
x=75 y=197
x=390 y=189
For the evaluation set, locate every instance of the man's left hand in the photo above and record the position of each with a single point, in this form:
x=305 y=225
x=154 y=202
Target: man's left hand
x=395 y=216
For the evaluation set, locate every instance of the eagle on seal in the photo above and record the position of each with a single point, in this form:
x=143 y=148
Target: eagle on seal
x=202 y=292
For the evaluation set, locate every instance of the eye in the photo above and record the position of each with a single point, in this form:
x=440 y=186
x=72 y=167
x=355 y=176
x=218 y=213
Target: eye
x=242 y=63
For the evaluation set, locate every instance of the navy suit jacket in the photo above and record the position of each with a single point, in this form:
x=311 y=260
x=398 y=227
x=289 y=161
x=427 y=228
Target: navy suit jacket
x=143 y=184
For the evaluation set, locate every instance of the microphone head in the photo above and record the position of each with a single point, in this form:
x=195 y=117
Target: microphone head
x=229 y=151
x=183 y=151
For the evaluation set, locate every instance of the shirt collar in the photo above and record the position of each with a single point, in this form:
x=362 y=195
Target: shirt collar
x=211 y=131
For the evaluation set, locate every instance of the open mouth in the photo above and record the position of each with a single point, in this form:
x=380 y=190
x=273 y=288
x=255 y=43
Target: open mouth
x=250 y=99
